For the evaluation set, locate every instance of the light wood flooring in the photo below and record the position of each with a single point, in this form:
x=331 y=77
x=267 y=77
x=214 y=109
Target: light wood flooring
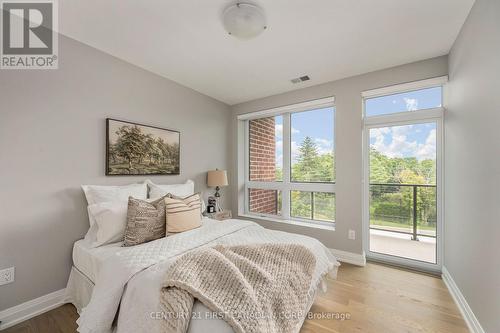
x=377 y=298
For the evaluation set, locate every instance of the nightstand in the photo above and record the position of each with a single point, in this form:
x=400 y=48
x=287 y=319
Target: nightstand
x=221 y=216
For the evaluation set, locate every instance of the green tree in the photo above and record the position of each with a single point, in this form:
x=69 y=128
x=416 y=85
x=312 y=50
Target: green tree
x=308 y=153
x=278 y=173
x=395 y=203
x=307 y=165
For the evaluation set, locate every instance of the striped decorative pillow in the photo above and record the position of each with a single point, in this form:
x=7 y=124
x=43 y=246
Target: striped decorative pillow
x=182 y=214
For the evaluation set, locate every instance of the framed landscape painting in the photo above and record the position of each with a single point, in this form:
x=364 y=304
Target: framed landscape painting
x=135 y=149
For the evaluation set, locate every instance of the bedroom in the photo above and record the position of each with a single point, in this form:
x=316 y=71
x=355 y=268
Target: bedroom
x=275 y=113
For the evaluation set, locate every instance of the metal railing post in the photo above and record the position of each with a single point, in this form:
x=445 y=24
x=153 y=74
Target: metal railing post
x=414 y=236
x=312 y=205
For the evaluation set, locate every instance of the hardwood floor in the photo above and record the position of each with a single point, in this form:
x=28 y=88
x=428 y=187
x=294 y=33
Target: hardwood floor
x=377 y=298
x=60 y=320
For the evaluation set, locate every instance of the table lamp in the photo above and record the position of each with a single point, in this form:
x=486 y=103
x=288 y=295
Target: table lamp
x=217 y=178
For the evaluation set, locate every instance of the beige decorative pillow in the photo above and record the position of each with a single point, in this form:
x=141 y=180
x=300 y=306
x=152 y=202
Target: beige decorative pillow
x=182 y=214
x=145 y=221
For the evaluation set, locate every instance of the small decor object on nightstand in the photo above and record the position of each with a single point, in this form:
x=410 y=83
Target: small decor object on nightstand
x=217 y=178
x=224 y=215
x=212 y=203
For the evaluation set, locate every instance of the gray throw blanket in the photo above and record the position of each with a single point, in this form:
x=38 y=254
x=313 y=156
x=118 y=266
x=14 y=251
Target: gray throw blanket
x=254 y=288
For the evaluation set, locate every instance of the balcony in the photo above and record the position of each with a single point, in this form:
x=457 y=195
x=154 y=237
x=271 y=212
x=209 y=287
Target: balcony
x=403 y=220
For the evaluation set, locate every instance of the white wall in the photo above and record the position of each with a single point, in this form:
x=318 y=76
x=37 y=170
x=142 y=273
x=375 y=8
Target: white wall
x=348 y=144
x=52 y=140
x=472 y=163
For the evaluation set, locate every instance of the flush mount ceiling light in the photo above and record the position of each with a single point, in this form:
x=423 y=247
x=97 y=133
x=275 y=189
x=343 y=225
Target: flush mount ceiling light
x=244 y=20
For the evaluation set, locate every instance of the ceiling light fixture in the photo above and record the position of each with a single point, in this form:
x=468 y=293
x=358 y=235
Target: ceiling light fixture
x=244 y=20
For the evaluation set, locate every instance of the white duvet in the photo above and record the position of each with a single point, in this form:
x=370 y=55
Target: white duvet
x=131 y=279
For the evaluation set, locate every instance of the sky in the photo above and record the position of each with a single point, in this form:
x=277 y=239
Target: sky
x=417 y=140
x=317 y=124
x=409 y=101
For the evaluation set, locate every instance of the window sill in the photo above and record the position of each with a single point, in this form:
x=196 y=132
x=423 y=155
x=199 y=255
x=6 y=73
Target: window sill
x=315 y=225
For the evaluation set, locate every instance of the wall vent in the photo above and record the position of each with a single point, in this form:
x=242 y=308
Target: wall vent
x=301 y=79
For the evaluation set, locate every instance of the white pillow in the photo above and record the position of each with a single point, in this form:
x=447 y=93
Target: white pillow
x=91 y=234
x=97 y=194
x=110 y=219
x=179 y=190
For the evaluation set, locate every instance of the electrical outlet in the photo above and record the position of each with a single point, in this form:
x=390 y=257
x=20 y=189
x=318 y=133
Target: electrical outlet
x=7 y=275
x=351 y=234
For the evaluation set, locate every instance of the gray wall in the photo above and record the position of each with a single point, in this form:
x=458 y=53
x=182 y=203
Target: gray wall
x=52 y=140
x=472 y=163
x=348 y=144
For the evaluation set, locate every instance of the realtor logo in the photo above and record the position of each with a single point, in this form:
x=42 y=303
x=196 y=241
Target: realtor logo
x=29 y=35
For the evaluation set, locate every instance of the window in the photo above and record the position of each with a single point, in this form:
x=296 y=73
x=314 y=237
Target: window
x=312 y=146
x=290 y=163
x=402 y=162
x=317 y=206
x=264 y=201
x=415 y=100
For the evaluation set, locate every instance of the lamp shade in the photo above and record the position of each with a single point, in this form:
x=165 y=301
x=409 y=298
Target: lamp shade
x=217 y=178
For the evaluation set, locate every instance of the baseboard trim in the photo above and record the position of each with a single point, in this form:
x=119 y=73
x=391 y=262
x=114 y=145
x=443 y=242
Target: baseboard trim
x=19 y=313
x=463 y=306
x=350 y=257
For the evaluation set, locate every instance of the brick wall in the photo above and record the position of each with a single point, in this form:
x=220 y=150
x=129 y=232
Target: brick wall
x=262 y=164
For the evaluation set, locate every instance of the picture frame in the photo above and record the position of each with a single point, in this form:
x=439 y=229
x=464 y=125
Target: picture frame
x=134 y=149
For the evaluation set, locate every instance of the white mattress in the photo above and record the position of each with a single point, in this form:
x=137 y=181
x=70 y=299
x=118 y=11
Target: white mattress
x=88 y=260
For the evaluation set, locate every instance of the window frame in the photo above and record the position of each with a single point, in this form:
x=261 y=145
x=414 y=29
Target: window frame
x=285 y=185
x=433 y=115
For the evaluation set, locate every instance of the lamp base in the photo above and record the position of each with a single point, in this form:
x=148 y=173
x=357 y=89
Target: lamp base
x=218 y=206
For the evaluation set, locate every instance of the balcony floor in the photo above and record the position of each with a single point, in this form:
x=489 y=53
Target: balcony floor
x=401 y=245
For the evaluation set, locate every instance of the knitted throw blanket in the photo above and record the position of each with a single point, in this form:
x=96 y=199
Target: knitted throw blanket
x=255 y=288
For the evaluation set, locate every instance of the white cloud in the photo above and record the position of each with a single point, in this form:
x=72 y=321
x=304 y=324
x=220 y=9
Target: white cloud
x=294 y=147
x=411 y=104
x=324 y=146
x=278 y=130
x=427 y=150
x=279 y=160
x=400 y=146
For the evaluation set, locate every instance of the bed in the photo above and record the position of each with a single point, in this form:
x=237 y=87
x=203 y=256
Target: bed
x=117 y=289
x=87 y=261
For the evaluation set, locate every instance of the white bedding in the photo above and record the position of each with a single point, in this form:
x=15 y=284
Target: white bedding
x=89 y=260
x=130 y=278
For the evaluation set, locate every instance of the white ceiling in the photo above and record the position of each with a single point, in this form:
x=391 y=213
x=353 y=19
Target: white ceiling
x=184 y=40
